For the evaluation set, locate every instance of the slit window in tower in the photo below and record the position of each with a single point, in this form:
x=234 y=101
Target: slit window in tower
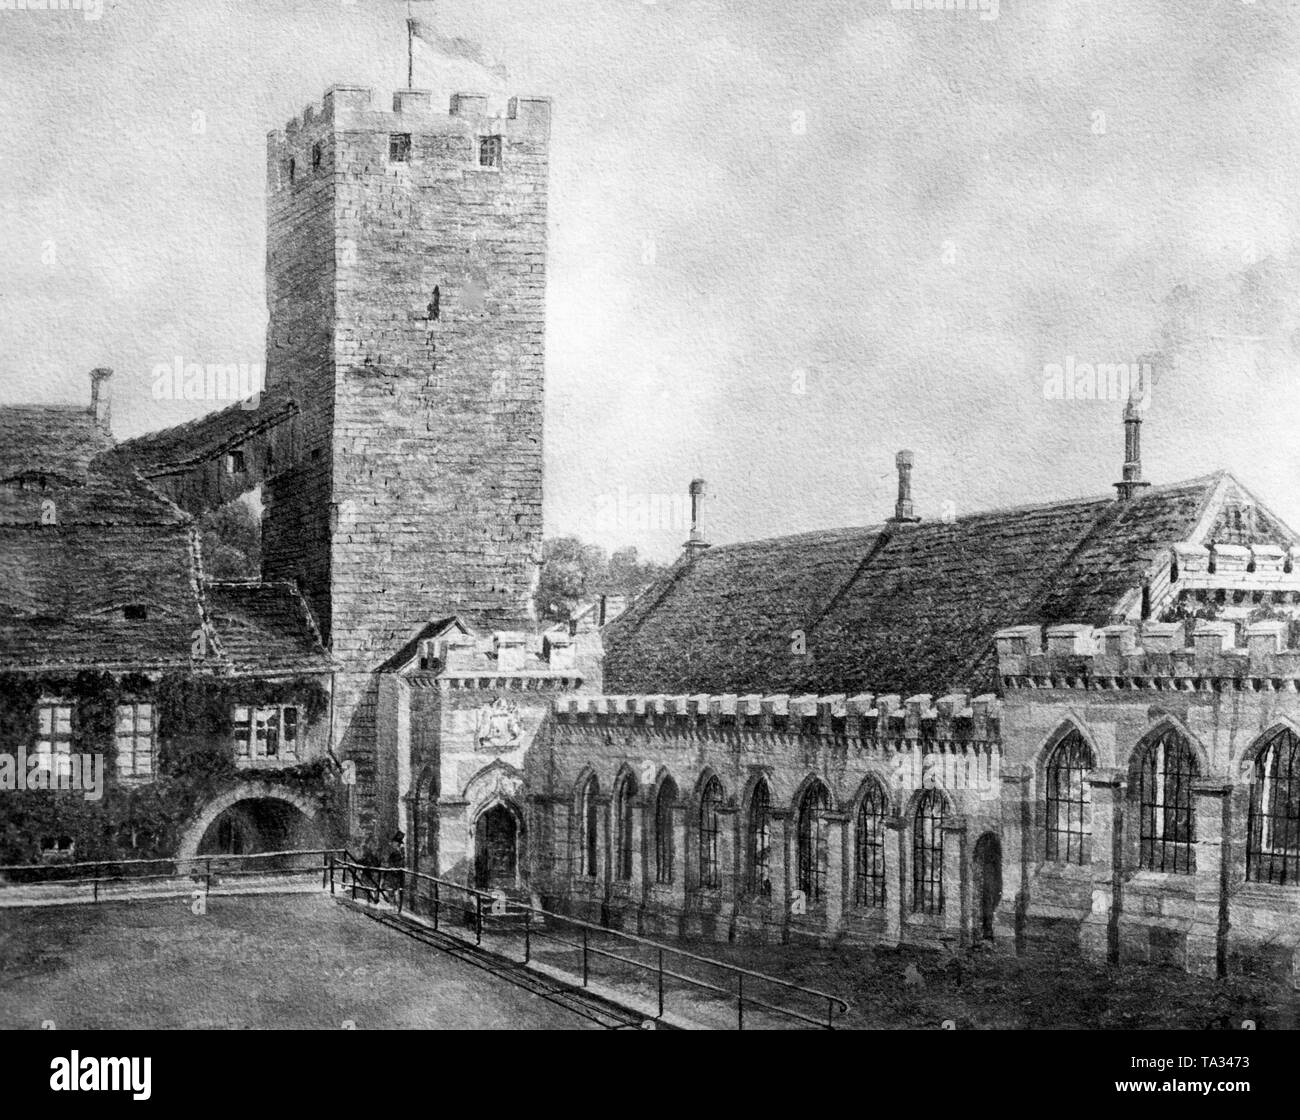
x=315 y=157
x=399 y=147
x=435 y=304
x=489 y=151
x=293 y=169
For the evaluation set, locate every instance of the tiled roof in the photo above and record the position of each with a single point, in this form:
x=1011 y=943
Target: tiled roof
x=265 y=627
x=49 y=439
x=117 y=543
x=199 y=440
x=64 y=606
x=64 y=601
x=893 y=608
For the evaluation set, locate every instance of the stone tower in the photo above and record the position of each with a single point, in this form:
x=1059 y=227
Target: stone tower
x=406 y=273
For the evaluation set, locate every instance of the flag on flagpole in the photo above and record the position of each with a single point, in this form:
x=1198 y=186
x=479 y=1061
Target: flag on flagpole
x=453 y=48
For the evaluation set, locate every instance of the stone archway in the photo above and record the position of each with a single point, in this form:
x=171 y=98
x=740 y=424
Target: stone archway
x=497 y=833
x=241 y=807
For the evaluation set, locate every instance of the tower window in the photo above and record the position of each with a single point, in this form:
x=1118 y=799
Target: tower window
x=435 y=304
x=315 y=157
x=293 y=169
x=135 y=613
x=399 y=147
x=235 y=462
x=489 y=151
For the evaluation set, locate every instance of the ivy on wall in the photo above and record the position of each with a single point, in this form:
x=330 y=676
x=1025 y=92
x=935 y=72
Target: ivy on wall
x=195 y=759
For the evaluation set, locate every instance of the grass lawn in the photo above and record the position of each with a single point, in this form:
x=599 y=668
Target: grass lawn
x=294 y=961
x=907 y=988
x=915 y=989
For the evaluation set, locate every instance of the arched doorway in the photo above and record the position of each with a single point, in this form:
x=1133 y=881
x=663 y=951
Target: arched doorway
x=496 y=849
x=988 y=883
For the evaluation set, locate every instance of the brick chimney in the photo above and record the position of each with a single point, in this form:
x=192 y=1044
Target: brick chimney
x=697 y=543
x=1132 y=484
x=903 y=514
x=101 y=397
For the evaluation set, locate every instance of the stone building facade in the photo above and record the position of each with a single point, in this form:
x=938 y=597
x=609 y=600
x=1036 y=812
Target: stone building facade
x=1071 y=721
x=1129 y=783
x=406 y=272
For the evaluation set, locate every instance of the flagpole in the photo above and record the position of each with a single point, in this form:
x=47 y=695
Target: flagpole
x=410 y=47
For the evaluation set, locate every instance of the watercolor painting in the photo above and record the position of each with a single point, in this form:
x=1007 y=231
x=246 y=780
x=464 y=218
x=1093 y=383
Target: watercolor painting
x=649 y=514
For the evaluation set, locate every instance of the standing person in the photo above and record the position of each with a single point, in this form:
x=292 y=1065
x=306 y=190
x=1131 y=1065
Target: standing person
x=396 y=859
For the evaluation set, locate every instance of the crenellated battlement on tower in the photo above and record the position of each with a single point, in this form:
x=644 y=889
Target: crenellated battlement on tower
x=354 y=108
x=1190 y=655
x=955 y=717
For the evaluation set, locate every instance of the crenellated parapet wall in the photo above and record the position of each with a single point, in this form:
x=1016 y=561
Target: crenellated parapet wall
x=353 y=108
x=956 y=717
x=954 y=742
x=1190 y=655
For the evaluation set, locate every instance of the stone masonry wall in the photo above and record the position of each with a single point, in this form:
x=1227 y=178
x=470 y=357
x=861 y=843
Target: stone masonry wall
x=426 y=407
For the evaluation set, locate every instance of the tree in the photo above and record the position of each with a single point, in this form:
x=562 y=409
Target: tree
x=570 y=571
x=232 y=541
x=628 y=575
x=574 y=573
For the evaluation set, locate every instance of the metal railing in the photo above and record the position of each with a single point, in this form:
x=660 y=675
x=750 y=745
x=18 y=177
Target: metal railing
x=197 y=869
x=375 y=882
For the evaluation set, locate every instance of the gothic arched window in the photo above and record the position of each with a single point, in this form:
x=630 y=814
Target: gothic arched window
x=1273 y=836
x=927 y=853
x=869 y=865
x=664 y=831
x=812 y=842
x=589 y=823
x=710 y=866
x=1166 y=824
x=624 y=807
x=1069 y=801
x=758 y=857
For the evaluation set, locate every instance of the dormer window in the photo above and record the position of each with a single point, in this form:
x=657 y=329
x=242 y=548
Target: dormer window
x=489 y=151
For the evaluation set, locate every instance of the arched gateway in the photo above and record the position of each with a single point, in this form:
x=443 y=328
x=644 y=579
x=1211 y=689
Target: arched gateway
x=253 y=817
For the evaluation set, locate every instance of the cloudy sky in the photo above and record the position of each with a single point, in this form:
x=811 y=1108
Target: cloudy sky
x=786 y=240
